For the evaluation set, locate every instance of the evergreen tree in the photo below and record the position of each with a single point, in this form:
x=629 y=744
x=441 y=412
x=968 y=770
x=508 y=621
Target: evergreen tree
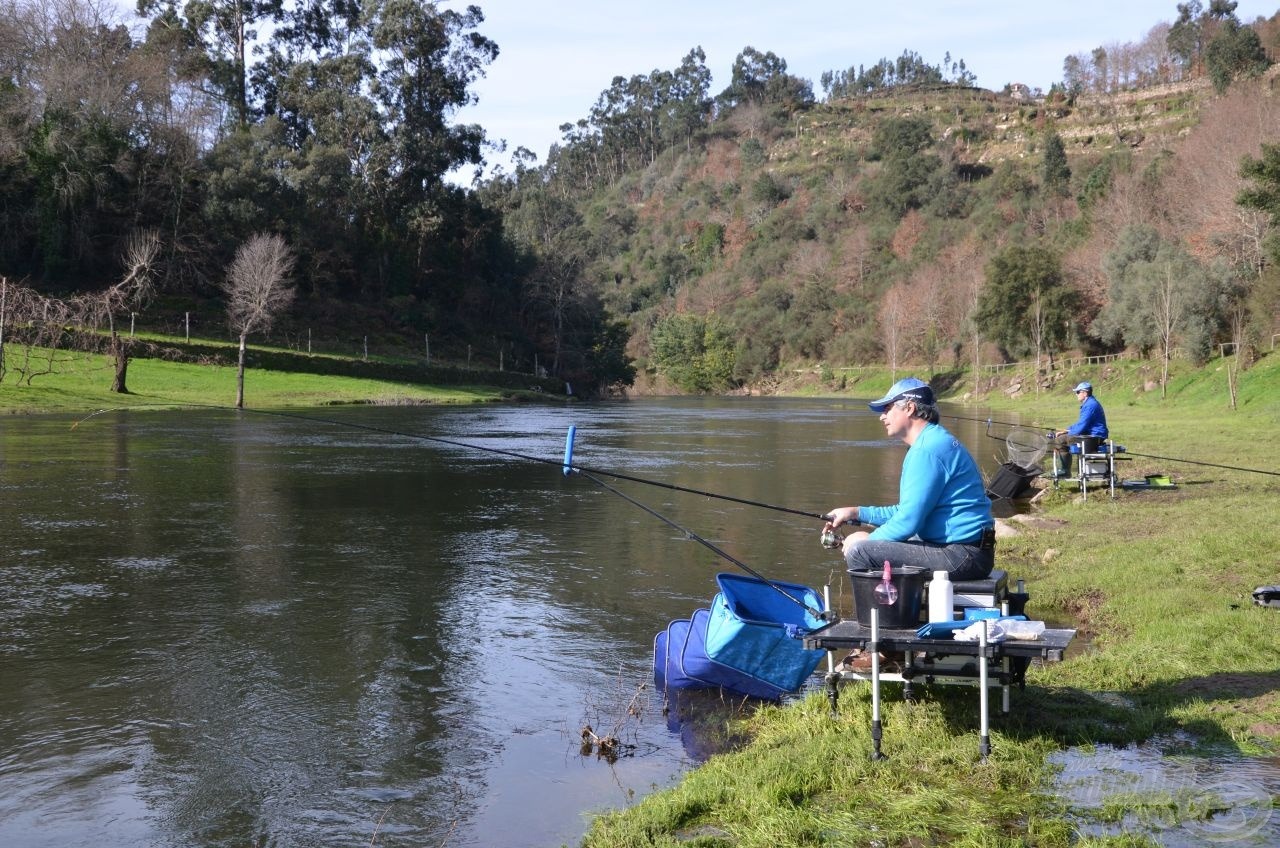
x=1235 y=52
x=1264 y=193
x=1056 y=175
x=694 y=353
x=1026 y=305
x=1186 y=37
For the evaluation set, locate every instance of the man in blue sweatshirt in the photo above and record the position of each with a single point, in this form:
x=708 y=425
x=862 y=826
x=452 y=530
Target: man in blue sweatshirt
x=1090 y=430
x=942 y=521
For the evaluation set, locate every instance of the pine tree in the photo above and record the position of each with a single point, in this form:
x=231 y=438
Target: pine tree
x=1056 y=175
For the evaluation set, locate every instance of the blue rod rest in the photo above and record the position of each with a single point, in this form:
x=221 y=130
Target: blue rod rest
x=568 y=450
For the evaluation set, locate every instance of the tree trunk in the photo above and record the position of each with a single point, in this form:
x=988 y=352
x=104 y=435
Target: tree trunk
x=1239 y=317
x=1231 y=379
x=977 y=363
x=120 y=352
x=1037 y=329
x=1164 y=372
x=240 y=376
x=4 y=295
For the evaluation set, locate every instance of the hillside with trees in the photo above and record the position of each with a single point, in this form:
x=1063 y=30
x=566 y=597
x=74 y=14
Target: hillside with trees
x=682 y=239
x=909 y=217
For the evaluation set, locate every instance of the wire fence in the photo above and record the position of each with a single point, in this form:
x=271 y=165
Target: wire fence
x=199 y=329
x=1066 y=361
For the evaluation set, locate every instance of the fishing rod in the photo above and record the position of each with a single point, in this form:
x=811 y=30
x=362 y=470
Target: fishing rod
x=513 y=454
x=989 y=422
x=827 y=616
x=1208 y=464
x=568 y=467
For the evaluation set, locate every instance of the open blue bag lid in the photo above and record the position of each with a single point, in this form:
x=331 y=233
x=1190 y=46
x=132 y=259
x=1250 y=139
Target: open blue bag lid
x=941 y=629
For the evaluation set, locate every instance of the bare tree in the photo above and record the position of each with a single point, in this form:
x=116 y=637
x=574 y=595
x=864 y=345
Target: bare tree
x=1038 y=321
x=810 y=263
x=892 y=319
x=963 y=266
x=1166 y=306
x=556 y=296
x=925 y=298
x=1235 y=294
x=855 y=253
x=45 y=324
x=257 y=289
x=132 y=292
x=38 y=324
x=908 y=234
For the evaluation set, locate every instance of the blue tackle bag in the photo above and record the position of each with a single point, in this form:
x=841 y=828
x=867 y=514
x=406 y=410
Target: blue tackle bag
x=757 y=629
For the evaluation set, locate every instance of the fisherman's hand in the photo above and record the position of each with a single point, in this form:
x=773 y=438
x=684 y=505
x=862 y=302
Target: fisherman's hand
x=843 y=515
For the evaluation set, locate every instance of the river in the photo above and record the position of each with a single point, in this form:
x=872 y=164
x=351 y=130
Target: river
x=222 y=629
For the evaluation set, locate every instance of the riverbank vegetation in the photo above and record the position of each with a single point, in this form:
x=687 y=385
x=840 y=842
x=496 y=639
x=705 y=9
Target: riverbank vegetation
x=1158 y=584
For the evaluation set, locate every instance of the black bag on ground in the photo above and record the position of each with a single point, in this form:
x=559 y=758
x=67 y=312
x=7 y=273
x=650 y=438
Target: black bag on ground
x=1011 y=481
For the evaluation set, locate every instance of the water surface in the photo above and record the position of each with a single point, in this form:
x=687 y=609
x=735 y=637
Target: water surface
x=222 y=629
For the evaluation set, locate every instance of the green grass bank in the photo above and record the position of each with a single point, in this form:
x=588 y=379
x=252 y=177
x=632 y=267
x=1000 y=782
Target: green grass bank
x=1159 y=582
x=79 y=382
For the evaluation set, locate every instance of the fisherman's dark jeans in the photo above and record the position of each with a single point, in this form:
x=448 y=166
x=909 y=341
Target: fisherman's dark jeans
x=964 y=562
x=1062 y=450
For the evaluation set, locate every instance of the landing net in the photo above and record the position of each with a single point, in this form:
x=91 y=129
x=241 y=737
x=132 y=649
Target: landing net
x=1026 y=447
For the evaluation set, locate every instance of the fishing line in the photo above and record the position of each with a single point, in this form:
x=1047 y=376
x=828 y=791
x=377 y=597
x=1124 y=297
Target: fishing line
x=568 y=468
x=827 y=616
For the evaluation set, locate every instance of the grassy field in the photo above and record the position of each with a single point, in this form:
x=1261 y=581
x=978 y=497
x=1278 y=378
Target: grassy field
x=1160 y=584
x=81 y=382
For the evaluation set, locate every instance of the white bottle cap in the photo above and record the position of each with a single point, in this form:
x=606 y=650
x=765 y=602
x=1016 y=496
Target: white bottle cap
x=941 y=575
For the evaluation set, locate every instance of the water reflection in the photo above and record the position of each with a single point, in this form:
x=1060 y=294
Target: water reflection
x=1179 y=800
x=221 y=629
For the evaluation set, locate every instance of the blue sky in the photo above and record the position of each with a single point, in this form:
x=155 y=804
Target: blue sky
x=557 y=57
